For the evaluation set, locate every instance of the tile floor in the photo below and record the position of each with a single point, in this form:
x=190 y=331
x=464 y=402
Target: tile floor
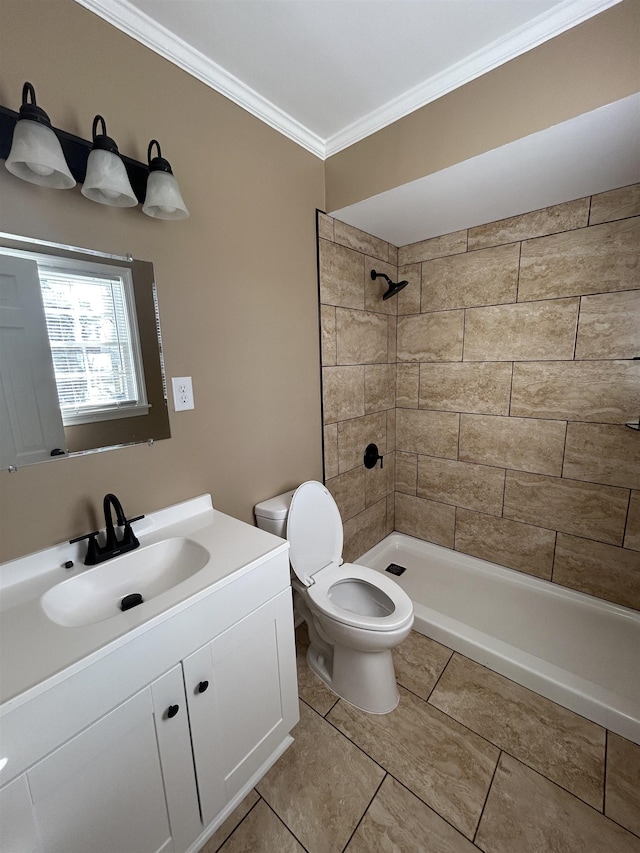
x=467 y=761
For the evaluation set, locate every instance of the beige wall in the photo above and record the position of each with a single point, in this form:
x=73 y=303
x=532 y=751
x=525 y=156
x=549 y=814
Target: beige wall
x=585 y=68
x=514 y=380
x=236 y=282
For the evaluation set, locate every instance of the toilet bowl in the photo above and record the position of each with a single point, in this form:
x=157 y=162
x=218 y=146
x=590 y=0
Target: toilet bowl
x=354 y=614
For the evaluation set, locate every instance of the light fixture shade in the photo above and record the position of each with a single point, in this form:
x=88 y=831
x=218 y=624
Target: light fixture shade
x=163 y=199
x=36 y=156
x=106 y=180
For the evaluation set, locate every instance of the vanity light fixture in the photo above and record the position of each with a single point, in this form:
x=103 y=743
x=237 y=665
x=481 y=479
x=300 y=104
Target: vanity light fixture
x=107 y=181
x=36 y=154
x=163 y=199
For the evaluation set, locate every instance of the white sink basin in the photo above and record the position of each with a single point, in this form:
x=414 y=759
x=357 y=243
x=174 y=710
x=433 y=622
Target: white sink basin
x=96 y=594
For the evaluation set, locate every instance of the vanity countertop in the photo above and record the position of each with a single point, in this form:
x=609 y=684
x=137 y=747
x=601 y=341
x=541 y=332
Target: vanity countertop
x=36 y=653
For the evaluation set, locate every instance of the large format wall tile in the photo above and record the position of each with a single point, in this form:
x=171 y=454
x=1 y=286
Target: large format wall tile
x=597 y=569
x=354 y=436
x=328 y=334
x=361 y=336
x=407 y=385
x=341 y=276
x=353 y=238
x=348 y=492
x=508 y=543
x=527 y=813
x=461 y=483
x=379 y=481
x=435 y=247
x=632 y=534
x=342 y=392
x=538 y=223
x=331 y=450
x=422 y=431
x=598 y=259
x=537 y=330
x=602 y=453
x=609 y=325
x=622 y=802
x=431 y=337
x=566 y=748
x=485 y=277
x=585 y=509
x=466 y=387
x=406 y=472
x=364 y=530
x=429 y=520
x=615 y=204
x=409 y=296
x=526 y=444
x=379 y=387
x=595 y=391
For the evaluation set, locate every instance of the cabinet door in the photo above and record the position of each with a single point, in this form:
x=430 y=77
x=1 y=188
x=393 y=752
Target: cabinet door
x=242 y=697
x=18 y=833
x=103 y=791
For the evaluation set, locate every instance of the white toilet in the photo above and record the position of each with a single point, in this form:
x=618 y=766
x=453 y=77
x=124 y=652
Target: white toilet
x=354 y=614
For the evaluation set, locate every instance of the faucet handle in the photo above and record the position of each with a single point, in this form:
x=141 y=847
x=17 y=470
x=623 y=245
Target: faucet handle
x=93 y=549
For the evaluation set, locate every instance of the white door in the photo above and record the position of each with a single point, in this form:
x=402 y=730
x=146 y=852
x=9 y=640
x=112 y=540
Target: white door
x=30 y=419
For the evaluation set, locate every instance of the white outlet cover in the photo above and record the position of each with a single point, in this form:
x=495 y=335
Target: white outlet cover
x=182 y=393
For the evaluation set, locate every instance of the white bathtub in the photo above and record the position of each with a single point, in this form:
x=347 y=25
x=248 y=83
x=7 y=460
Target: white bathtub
x=580 y=651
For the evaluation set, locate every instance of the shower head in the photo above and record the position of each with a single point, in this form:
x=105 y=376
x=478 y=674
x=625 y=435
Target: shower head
x=393 y=286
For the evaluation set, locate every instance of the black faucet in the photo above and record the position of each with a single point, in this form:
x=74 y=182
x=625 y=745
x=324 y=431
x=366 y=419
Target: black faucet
x=113 y=546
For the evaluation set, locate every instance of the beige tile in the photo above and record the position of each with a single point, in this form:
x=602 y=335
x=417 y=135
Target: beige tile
x=348 y=492
x=609 y=325
x=429 y=520
x=393 y=254
x=598 y=259
x=365 y=530
x=226 y=828
x=379 y=481
x=526 y=444
x=508 y=543
x=261 y=832
x=596 y=391
x=406 y=472
x=374 y=289
x=529 y=814
x=431 y=337
x=484 y=277
x=392 y=339
x=422 y=431
x=359 y=240
x=537 y=330
x=407 y=386
x=466 y=387
x=419 y=662
x=607 y=571
x=632 y=533
x=341 y=276
x=391 y=430
x=461 y=484
x=331 y=450
x=397 y=820
x=603 y=453
x=615 y=204
x=311 y=688
x=622 y=801
x=447 y=766
x=409 y=297
x=328 y=334
x=354 y=436
x=391 y=513
x=321 y=786
x=434 y=247
x=566 y=748
x=584 y=509
x=549 y=220
x=325 y=226
x=379 y=387
x=342 y=392
x=361 y=337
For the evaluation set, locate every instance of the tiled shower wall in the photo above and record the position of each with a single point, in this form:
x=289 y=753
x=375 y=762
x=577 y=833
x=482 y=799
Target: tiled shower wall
x=512 y=356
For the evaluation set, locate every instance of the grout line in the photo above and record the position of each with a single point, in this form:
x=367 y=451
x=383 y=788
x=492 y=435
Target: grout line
x=437 y=681
x=495 y=770
x=363 y=815
x=239 y=824
x=286 y=825
x=517 y=299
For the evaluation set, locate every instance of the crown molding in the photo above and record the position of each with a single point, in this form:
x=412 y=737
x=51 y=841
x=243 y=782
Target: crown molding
x=130 y=20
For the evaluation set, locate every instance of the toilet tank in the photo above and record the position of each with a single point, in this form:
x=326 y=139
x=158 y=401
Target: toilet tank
x=271 y=515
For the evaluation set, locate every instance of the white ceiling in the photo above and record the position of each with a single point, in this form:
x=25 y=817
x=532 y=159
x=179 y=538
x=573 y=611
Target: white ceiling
x=327 y=73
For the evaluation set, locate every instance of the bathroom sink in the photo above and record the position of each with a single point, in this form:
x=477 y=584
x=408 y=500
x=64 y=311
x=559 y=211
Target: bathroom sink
x=98 y=593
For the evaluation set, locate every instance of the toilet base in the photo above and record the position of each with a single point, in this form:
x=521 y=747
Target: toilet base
x=365 y=680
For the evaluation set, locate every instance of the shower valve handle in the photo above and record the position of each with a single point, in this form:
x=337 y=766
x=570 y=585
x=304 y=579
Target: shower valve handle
x=371 y=456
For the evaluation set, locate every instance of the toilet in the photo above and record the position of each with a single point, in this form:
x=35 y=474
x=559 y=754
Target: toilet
x=354 y=614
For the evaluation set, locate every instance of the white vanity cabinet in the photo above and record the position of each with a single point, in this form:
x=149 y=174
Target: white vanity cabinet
x=149 y=748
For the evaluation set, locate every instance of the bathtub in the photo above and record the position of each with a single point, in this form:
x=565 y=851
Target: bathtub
x=579 y=651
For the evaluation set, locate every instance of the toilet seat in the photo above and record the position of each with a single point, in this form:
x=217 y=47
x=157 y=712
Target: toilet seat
x=314 y=531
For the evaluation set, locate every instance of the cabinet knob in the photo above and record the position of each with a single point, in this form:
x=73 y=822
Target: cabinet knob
x=202 y=686
x=172 y=710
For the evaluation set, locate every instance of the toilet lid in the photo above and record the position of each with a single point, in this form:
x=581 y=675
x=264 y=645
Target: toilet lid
x=314 y=531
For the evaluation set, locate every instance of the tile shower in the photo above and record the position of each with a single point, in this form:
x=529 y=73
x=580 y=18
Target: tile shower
x=497 y=386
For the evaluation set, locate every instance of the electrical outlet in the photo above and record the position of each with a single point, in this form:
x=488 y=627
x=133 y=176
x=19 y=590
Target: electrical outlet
x=182 y=393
